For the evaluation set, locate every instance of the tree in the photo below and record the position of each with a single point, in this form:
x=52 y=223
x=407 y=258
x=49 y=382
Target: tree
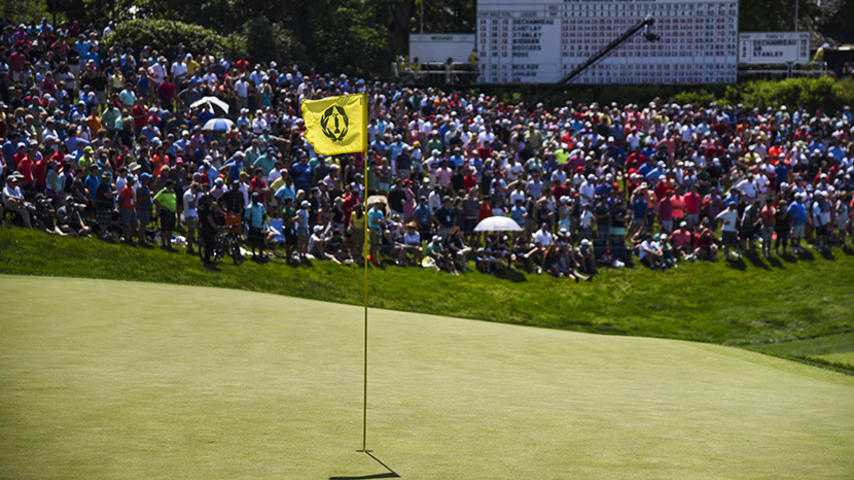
x=777 y=16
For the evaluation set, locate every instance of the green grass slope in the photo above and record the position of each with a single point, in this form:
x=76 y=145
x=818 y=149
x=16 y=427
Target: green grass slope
x=719 y=302
x=833 y=351
x=124 y=380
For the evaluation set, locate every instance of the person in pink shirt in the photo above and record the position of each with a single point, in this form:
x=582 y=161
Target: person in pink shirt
x=678 y=206
x=692 y=201
x=443 y=176
x=767 y=214
x=681 y=240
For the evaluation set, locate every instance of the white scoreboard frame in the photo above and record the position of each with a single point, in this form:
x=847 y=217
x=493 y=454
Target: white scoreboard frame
x=540 y=41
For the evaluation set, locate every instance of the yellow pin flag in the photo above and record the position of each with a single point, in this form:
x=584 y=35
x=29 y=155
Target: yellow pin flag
x=335 y=125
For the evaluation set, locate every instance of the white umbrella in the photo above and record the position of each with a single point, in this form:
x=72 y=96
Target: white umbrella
x=497 y=224
x=218 y=125
x=210 y=102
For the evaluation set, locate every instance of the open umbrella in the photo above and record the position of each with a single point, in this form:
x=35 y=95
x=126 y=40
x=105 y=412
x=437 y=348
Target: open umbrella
x=378 y=198
x=210 y=102
x=218 y=125
x=497 y=224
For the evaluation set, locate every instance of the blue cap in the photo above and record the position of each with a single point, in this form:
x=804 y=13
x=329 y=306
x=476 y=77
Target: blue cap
x=145 y=176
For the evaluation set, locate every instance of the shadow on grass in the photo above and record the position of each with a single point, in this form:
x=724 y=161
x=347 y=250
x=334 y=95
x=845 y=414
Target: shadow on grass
x=390 y=474
x=827 y=254
x=756 y=260
x=513 y=275
x=736 y=263
x=789 y=257
x=847 y=250
x=806 y=255
x=775 y=262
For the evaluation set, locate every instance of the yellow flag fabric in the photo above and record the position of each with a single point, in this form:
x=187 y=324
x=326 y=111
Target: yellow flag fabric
x=335 y=125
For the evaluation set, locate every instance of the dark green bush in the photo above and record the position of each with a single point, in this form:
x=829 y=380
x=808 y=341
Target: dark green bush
x=826 y=93
x=267 y=41
x=165 y=35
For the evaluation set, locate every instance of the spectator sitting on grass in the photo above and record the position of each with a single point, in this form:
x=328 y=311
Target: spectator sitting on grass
x=681 y=239
x=458 y=249
x=650 y=253
x=411 y=245
x=584 y=258
x=13 y=199
x=439 y=255
x=704 y=242
x=69 y=220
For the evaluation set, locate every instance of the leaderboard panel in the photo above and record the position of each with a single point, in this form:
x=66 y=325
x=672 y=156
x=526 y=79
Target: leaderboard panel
x=543 y=40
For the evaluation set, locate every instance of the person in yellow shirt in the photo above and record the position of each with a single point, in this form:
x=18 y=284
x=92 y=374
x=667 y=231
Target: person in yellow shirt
x=357 y=233
x=192 y=65
x=751 y=157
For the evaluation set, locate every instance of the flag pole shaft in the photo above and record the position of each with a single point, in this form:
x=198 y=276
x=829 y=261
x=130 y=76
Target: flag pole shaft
x=365 y=249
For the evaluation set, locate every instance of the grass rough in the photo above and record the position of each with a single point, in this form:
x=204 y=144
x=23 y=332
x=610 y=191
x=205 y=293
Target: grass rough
x=748 y=302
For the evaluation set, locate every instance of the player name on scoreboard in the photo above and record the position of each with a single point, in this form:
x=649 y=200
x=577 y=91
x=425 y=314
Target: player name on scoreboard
x=542 y=41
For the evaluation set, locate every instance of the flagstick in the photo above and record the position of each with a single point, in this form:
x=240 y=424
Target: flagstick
x=365 y=249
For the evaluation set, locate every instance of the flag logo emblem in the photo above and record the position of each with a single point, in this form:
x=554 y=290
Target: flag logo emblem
x=334 y=123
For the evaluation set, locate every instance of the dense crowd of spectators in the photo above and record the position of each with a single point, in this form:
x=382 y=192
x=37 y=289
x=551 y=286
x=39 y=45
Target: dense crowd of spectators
x=98 y=140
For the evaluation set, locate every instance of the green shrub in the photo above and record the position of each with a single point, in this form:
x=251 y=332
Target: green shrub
x=267 y=41
x=696 y=97
x=165 y=35
x=826 y=93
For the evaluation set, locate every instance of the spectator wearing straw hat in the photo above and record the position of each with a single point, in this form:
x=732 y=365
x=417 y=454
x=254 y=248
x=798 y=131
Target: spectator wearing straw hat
x=13 y=199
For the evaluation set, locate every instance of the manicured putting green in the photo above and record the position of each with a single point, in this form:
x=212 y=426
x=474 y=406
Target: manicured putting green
x=116 y=380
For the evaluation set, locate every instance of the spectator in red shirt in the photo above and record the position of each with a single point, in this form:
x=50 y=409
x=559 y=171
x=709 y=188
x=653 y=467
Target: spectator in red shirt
x=692 y=201
x=24 y=165
x=257 y=183
x=140 y=114
x=560 y=190
x=242 y=65
x=40 y=173
x=166 y=89
x=16 y=63
x=704 y=245
x=127 y=208
x=19 y=155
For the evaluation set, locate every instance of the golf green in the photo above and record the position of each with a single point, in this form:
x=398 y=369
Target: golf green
x=121 y=380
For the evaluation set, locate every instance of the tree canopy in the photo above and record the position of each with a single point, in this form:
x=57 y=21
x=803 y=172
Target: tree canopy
x=362 y=37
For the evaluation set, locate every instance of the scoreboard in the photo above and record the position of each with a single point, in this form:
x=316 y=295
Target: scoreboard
x=773 y=47
x=541 y=41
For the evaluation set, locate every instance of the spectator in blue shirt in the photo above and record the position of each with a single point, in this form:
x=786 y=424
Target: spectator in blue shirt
x=287 y=190
x=91 y=182
x=256 y=217
x=302 y=174
x=799 y=220
x=519 y=213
